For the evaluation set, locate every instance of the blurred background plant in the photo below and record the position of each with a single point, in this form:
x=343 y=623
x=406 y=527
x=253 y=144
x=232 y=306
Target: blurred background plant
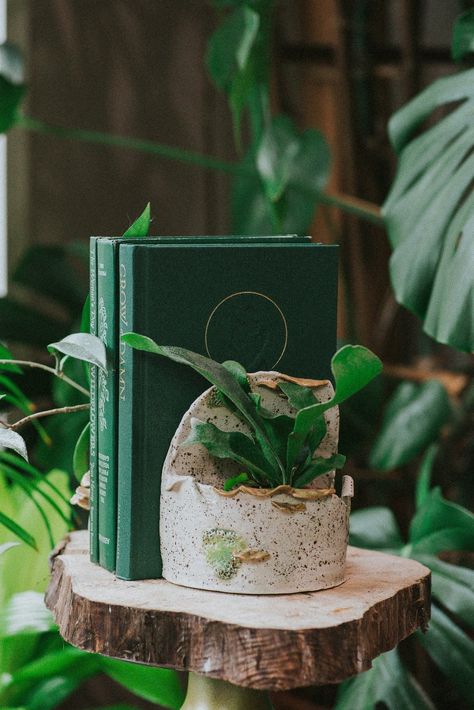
x=410 y=435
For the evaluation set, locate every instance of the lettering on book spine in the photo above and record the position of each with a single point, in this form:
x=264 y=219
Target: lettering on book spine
x=123 y=329
x=103 y=389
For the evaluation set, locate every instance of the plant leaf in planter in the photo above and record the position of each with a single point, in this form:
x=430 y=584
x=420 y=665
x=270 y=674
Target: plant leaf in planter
x=231 y=445
x=318 y=467
x=429 y=213
x=82 y=346
x=353 y=367
x=412 y=420
x=219 y=376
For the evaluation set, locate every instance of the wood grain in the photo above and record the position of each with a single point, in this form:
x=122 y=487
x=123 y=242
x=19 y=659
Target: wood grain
x=273 y=643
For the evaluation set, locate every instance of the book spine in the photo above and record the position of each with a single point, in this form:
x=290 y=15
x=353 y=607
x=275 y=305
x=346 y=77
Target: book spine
x=107 y=404
x=93 y=514
x=139 y=483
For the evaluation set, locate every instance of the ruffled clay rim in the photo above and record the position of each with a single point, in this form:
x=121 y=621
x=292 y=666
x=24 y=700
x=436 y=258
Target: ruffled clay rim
x=300 y=493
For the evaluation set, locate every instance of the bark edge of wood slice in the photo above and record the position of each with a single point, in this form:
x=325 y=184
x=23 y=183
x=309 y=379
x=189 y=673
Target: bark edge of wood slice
x=263 y=642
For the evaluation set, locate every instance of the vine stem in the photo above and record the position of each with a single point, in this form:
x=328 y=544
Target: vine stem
x=51 y=370
x=352 y=205
x=47 y=413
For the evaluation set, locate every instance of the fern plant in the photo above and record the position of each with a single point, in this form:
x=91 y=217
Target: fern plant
x=279 y=450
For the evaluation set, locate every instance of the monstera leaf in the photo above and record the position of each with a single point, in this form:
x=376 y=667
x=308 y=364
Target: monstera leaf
x=429 y=212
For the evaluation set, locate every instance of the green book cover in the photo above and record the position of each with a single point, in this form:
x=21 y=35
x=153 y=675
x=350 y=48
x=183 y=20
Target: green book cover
x=93 y=514
x=105 y=292
x=106 y=318
x=269 y=306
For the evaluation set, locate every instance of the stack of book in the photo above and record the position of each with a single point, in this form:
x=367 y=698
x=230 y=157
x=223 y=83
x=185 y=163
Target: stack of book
x=267 y=302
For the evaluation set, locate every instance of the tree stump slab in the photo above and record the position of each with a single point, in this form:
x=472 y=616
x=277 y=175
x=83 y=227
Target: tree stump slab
x=262 y=642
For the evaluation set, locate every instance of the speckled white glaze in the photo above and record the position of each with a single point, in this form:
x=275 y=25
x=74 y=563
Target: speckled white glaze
x=205 y=537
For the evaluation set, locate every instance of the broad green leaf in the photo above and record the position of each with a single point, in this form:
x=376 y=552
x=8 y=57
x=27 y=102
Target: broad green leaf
x=231 y=445
x=451 y=650
x=80 y=459
x=82 y=346
x=412 y=421
x=157 y=685
x=353 y=367
x=217 y=375
x=86 y=315
x=376 y=529
x=463 y=35
x=386 y=682
x=452 y=586
x=12 y=440
x=318 y=467
x=298 y=396
x=441 y=525
x=12 y=89
x=429 y=213
x=239 y=373
x=423 y=479
x=17 y=530
x=141 y=226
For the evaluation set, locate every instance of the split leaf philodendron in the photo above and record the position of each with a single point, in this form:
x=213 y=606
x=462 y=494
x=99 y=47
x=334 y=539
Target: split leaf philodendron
x=279 y=449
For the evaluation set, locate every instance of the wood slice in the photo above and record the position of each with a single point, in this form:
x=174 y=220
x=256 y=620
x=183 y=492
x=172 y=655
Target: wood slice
x=273 y=643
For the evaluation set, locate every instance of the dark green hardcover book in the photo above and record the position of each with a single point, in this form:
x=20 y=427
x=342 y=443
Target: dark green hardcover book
x=106 y=410
x=105 y=415
x=270 y=306
x=93 y=514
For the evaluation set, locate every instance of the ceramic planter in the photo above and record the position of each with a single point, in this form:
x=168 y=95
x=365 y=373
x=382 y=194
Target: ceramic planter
x=250 y=541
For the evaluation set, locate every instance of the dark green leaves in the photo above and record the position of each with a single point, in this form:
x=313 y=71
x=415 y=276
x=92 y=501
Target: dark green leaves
x=463 y=36
x=412 y=420
x=429 y=212
x=376 y=529
x=452 y=585
x=441 y=525
x=82 y=346
x=231 y=445
x=291 y=169
x=12 y=89
x=279 y=449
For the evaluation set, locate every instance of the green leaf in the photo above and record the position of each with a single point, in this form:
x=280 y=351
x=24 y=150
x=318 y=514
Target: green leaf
x=451 y=650
x=18 y=530
x=441 y=525
x=231 y=445
x=423 y=479
x=318 y=467
x=82 y=346
x=7 y=546
x=429 y=213
x=80 y=459
x=238 y=372
x=230 y=46
x=157 y=685
x=353 y=367
x=12 y=89
x=219 y=376
x=386 y=682
x=141 y=226
x=12 y=440
x=412 y=420
x=298 y=396
x=463 y=35
x=452 y=586
x=277 y=151
x=375 y=528
x=231 y=483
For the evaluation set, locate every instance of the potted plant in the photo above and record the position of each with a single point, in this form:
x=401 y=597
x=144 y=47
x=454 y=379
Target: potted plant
x=248 y=503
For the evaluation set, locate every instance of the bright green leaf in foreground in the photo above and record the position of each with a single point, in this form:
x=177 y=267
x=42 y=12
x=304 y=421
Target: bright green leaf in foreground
x=157 y=685
x=82 y=346
x=141 y=226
